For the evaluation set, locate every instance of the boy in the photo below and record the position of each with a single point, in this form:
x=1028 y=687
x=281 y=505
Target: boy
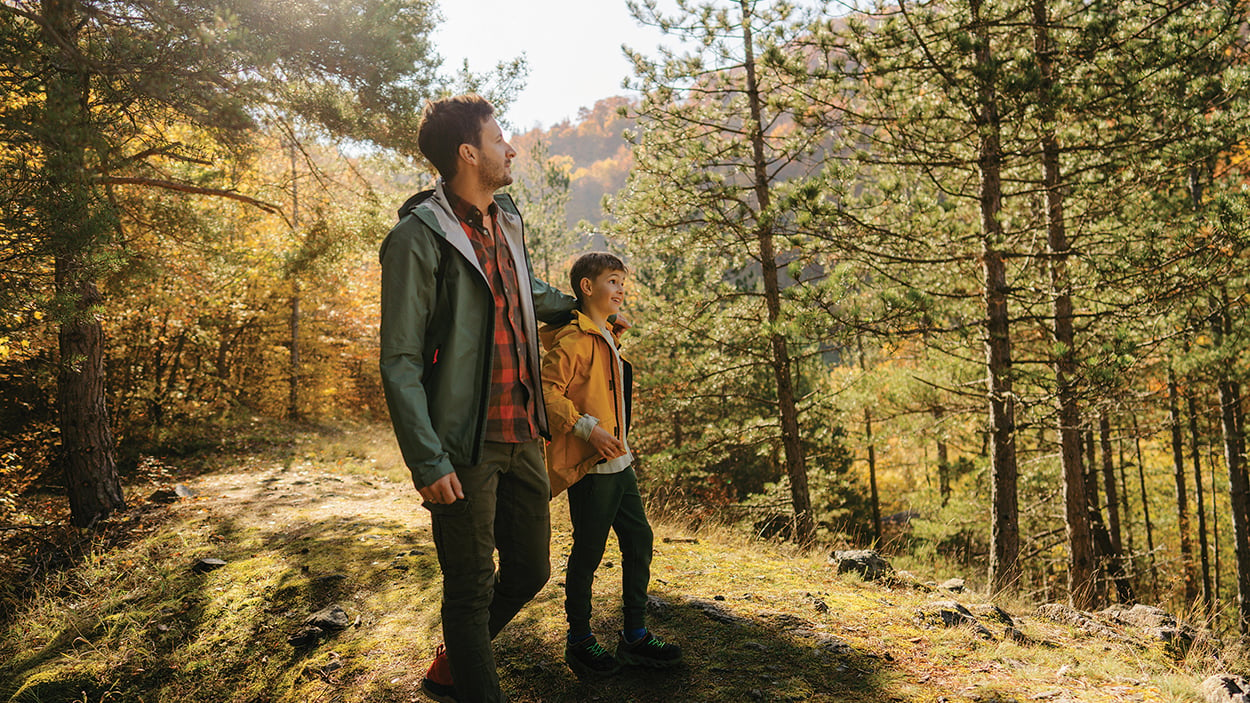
x=586 y=389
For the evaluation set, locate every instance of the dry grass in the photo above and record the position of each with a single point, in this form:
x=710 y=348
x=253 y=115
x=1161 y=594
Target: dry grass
x=331 y=517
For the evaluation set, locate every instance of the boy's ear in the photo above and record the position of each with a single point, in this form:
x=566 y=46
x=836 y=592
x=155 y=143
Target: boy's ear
x=587 y=286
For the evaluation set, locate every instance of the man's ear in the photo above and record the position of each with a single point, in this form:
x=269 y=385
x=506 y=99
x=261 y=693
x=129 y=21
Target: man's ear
x=587 y=286
x=468 y=153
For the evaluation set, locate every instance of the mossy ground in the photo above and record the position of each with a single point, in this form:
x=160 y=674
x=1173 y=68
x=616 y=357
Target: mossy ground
x=330 y=517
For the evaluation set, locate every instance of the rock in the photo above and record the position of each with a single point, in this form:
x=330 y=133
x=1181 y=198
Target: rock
x=207 y=564
x=955 y=585
x=657 y=607
x=1177 y=637
x=183 y=491
x=715 y=612
x=832 y=646
x=1017 y=636
x=306 y=636
x=1225 y=688
x=163 y=495
x=330 y=618
x=1064 y=615
x=992 y=612
x=952 y=614
x=865 y=562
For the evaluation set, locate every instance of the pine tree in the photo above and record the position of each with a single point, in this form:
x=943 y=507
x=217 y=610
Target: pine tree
x=107 y=97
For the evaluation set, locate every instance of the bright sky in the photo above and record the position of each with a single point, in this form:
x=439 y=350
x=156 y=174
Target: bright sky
x=573 y=48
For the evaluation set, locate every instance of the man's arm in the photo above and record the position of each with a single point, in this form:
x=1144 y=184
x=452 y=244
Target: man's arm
x=550 y=304
x=409 y=271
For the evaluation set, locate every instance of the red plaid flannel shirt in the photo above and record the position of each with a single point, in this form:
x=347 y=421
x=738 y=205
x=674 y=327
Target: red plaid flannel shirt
x=511 y=410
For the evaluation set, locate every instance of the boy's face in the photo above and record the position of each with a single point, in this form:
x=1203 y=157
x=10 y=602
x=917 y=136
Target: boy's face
x=606 y=292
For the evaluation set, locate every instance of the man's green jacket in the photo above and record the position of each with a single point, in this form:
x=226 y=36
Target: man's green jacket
x=437 y=329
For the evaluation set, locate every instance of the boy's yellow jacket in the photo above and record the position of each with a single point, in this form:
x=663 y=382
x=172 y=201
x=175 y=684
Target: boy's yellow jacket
x=580 y=378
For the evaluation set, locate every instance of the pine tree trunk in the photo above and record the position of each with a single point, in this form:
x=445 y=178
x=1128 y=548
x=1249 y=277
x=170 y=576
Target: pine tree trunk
x=943 y=458
x=787 y=406
x=872 y=479
x=1004 y=567
x=293 y=403
x=1145 y=508
x=1204 y=552
x=91 y=478
x=1182 y=499
x=1115 y=558
x=1098 y=530
x=1080 y=544
x=1230 y=399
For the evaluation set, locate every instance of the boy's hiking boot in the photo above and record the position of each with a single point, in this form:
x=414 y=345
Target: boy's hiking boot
x=588 y=659
x=649 y=651
x=438 y=684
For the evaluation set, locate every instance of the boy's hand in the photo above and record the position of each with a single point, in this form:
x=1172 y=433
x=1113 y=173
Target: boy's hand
x=443 y=491
x=609 y=447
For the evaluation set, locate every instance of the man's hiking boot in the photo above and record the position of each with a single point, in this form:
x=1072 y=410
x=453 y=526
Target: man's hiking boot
x=648 y=651
x=588 y=659
x=438 y=684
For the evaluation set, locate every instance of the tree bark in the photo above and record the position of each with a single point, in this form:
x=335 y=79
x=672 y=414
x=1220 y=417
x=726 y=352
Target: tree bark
x=1145 y=508
x=1238 y=490
x=1182 y=499
x=782 y=364
x=1081 y=571
x=1204 y=552
x=1116 y=566
x=943 y=458
x=90 y=472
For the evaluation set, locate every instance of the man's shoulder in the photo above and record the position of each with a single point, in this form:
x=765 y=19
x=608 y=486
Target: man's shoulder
x=411 y=203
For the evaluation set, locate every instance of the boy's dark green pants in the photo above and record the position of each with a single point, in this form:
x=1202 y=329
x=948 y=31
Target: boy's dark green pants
x=599 y=503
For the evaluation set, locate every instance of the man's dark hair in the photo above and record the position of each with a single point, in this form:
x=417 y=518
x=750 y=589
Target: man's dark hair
x=590 y=266
x=448 y=123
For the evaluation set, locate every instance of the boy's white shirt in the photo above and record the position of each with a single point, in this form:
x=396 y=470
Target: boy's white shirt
x=586 y=423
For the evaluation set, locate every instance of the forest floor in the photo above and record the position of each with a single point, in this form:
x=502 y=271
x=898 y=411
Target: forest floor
x=328 y=516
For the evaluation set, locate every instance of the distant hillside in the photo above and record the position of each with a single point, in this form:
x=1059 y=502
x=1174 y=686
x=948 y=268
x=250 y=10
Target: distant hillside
x=600 y=155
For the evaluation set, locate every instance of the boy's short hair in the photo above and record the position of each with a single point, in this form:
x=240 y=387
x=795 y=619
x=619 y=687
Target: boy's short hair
x=590 y=266
x=448 y=123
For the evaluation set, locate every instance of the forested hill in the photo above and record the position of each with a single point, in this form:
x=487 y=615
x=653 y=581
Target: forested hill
x=593 y=150
x=290 y=564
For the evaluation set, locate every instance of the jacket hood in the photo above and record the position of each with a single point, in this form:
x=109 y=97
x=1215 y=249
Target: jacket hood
x=581 y=322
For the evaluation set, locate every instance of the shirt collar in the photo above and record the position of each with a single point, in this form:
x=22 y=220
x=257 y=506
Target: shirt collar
x=468 y=212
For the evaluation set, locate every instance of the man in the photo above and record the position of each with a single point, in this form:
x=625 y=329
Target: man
x=460 y=369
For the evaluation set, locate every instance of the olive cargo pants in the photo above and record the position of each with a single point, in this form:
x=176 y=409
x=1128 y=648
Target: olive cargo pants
x=505 y=508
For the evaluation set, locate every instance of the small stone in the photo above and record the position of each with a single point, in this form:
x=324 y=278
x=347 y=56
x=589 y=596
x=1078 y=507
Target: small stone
x=865 y=562
x=163 y=495
x=183 y=491
x=207 y=564
x=1226 y=688
x=330 y=618
x=955 y=585
x=305 y=636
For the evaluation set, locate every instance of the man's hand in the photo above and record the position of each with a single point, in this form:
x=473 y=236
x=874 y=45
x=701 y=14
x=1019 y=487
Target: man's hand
x=620 y=323
x=609 y=447
x=445 y=490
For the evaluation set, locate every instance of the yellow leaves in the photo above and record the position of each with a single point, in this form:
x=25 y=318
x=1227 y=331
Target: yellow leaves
x=10 y=347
